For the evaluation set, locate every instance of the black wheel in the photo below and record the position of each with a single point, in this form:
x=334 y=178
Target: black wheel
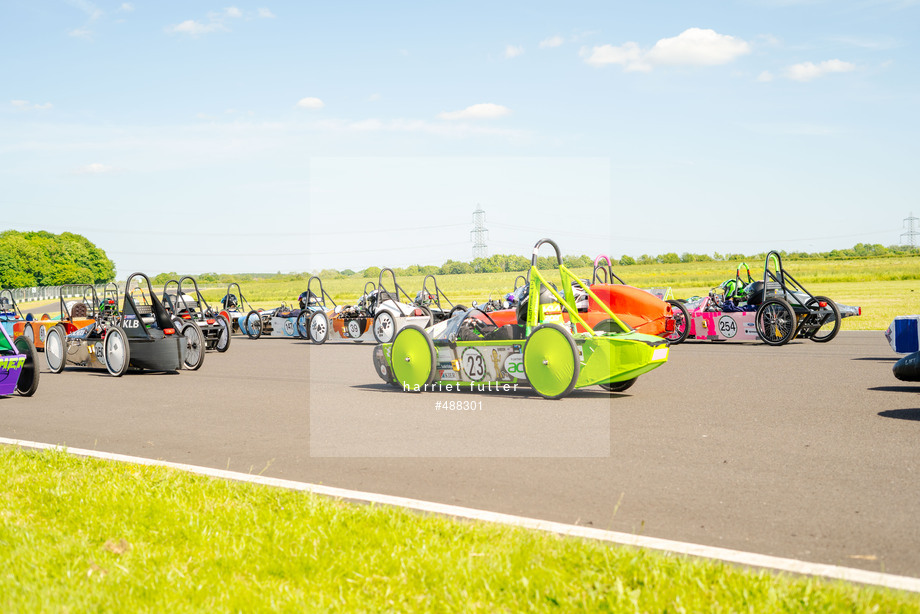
x=194 y=356
x=319 y=328
x=384 y=327
x=608 y=326
x=116 y=353
x=414 y=359
x=456 y=309
x=619 y=386
x=303 y=324
x=56 y=348
x=826 y=318
x=223 y=340
x=775 y=321
x=254 y=324
x=681 y=322
x=28 y=376
x=551 y=361
x=427 y=312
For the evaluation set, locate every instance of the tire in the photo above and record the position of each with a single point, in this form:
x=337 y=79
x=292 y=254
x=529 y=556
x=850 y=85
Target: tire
x=253 y=324
x=29 y=333
x=29 y=374
x=303 y=324
x=427 y=312
x=226 y=332
x=194 y=358
x=551 y=362
x=619 y=386
x=319 y=328
x=414 y=359
x=116 y=351
x=455 y=310
x=384 y=327
x=775 y=321
x=56 y=348
x=826 y=332
x=681 y=323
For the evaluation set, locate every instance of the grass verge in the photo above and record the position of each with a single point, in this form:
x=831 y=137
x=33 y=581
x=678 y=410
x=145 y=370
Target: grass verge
x=81 y=534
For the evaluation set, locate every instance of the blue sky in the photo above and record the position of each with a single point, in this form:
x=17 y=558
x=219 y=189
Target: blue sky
x=292 y=136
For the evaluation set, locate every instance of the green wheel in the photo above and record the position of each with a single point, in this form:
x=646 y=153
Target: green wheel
x=551 y=361
x=414 y=359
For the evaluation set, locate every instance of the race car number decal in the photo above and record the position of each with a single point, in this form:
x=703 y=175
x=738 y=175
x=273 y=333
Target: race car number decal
x=728 y=327
x=354 y=329
x=99 y=350
x=474 y=365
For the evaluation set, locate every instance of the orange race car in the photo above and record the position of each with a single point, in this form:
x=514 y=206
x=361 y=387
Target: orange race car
x=75 y=313
x=641 y=310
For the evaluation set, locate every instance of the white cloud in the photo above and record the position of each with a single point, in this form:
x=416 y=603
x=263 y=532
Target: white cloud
x=765 y=77
x=441 y=129
x=692 y=47
x=266 y=14
x=698 y=47
x=552 y=41
x=485 y=110
x=194 y=28
x=81 y=33
x=806 y=71
x=512 y=51
x=25 y=105
x=91 y=10
x=628 y=55
x=374 y=97
x=95 y=169
x=232 y=11
x=126 y=7
x=310 y=103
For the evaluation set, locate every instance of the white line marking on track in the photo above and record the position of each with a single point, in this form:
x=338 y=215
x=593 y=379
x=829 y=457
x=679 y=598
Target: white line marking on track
x=751 y=559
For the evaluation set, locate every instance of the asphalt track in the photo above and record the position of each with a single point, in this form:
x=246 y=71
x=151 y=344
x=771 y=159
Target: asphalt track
x=808 y=451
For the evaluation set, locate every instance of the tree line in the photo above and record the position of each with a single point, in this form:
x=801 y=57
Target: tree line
x=42 y=258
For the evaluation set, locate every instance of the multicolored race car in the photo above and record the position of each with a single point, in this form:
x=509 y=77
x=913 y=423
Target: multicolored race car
x=18 y=367
x=543 y=351
x=75 y=313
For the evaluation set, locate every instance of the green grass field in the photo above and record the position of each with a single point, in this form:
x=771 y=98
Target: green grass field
x=80 y=535
x=883 y=287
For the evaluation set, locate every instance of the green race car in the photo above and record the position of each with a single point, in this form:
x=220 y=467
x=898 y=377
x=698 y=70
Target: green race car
x=541 y=351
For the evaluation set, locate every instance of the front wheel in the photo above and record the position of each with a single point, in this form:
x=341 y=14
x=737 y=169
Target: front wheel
x=827 y=319
x=254 y=324
x=551 y=362
x=55 y=352
x=223 y=340
x=681 y=322
x=28 y=375
x=116 y=351
x=775 y=321
x=384 y=327
x=303 y=324
x=319 y=328
x=194 y=338
x=414 y=359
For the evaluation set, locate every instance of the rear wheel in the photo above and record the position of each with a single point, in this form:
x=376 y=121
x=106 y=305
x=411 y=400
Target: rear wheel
x=775 y=321
x=194 y=338
x=456 y=309
x=551 y=361
x=414 y=359
x=55 y=352
x=384 y=327
x=608 y=326
x=303 y=324
x=681 y=322
x=29 y=333
x=827 y=318
x=254 y=324
x=116 y=352
x=619 y=386
x=28 y=375
x=319 y=328
x=427 y=312
x=223 y=340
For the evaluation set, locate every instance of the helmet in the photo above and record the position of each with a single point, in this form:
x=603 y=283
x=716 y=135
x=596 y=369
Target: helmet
x=229 y=301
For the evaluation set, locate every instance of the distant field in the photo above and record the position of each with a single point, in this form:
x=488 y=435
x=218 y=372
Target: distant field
x=883 y=287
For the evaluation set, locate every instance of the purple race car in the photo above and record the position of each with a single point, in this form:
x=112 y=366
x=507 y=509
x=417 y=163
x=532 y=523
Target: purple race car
x=18 y=369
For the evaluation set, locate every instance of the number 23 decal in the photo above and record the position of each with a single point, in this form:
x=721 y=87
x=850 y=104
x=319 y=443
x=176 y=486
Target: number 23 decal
x=474 y=365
